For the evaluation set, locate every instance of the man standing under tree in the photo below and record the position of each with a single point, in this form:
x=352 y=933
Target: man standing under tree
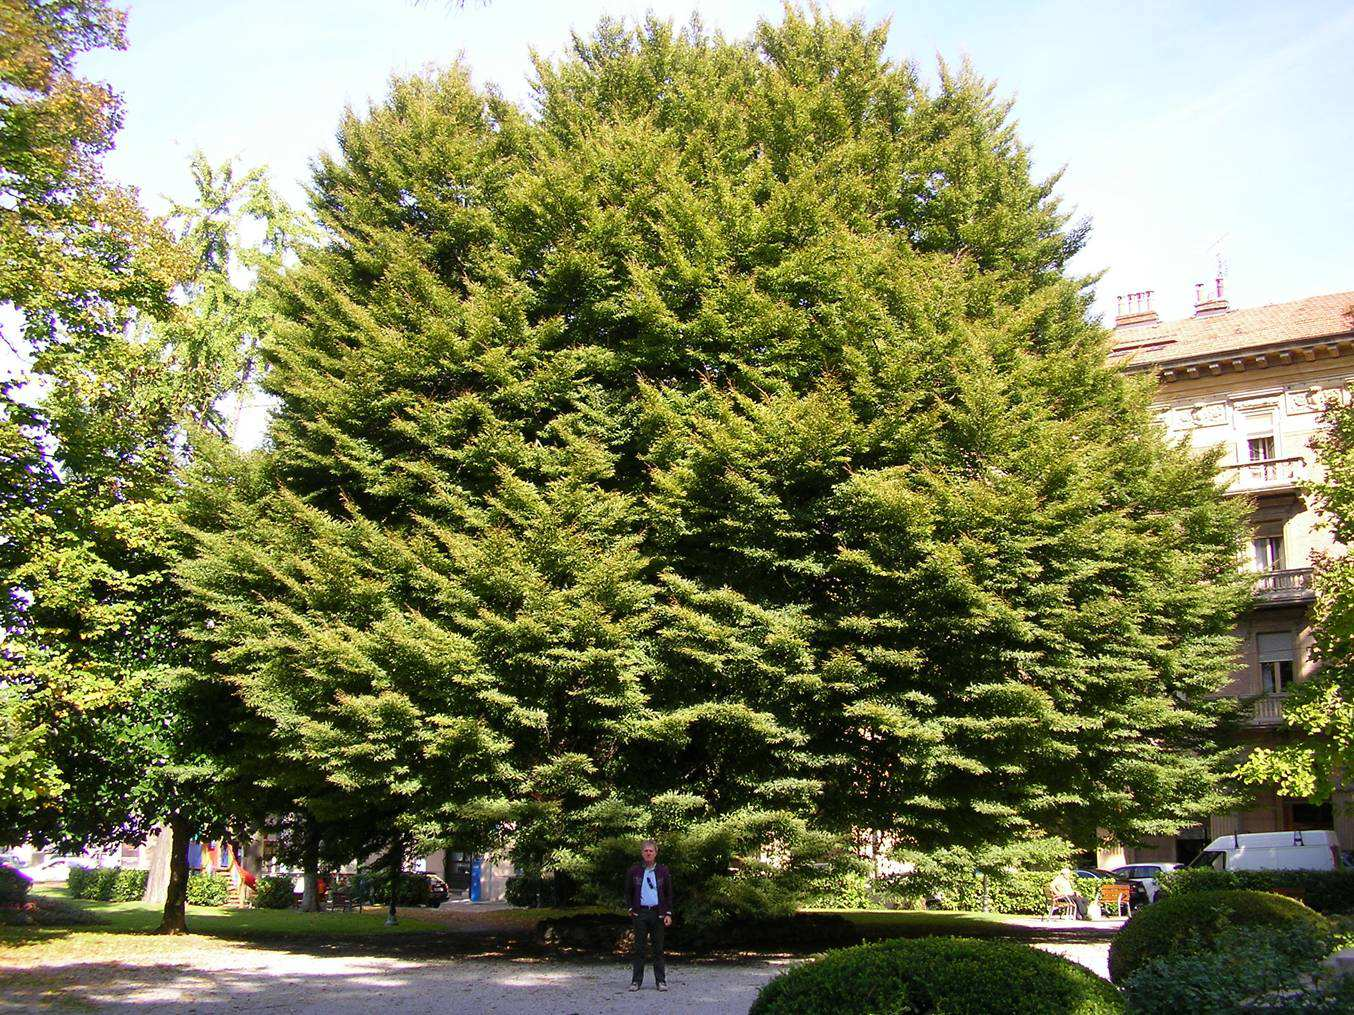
x=648 y=890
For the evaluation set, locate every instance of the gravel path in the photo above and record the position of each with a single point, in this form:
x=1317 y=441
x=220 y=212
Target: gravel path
x=219 y=977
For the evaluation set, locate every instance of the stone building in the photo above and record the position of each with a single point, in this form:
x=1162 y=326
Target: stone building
x=1253 y=382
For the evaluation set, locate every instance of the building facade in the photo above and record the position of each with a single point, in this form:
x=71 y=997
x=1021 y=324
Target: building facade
x=1253 y=383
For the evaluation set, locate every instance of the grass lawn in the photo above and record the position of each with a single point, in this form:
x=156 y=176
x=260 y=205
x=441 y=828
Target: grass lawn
x=126 y=930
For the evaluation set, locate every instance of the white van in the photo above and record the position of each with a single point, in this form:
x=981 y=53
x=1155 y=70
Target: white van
x=1272 y=851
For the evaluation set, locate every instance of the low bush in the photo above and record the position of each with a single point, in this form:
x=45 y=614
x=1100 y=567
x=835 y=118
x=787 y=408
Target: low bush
x=1243 y=966
x=415 y=888
x=1329 y=891
x=958 y=976
x=274 y=893
x=129 y=886
x=96 y=884
x=741 y=868
x=1190 y=924
x=531 y=891
x=14 y=885
x=208 y=889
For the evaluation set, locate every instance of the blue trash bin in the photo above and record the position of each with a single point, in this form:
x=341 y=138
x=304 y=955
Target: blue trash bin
x=476 y=868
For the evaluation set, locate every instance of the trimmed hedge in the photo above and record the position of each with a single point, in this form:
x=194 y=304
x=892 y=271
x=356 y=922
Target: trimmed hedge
x=1189 y=924
x=106 y=884
x=1329 y=891
x=208 y=889
x=957 y=976
x=1244 y=964
x=274 y=893
x=415 y=888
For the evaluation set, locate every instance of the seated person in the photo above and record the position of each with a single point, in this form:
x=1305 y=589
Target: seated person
x=1062 y=888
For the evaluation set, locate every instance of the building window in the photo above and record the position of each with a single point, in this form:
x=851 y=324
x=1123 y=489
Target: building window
x=1276 y=661
x=1268 y=553
x=1260 y=449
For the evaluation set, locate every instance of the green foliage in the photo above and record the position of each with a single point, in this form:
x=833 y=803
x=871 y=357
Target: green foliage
x=414 y=888
x=274 y=893
x=1242 y=965
x=208 y=889
x=1188 y=924
x=13 y=887
x=525 y=890
x=1319 y=712
x=962 y=976
x=79 y=252
x=106 y=884
x=723 y=435
x=1010 y=877
x=1329 y=891
x=748 y=866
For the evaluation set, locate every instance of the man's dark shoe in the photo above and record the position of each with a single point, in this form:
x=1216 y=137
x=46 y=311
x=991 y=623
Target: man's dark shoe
x=662 y=986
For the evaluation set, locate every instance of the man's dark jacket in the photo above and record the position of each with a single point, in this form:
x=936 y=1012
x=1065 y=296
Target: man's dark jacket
x=635 y=879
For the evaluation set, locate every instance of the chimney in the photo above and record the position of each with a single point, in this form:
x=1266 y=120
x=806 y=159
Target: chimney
x=1210 y=304
x=1133 y=309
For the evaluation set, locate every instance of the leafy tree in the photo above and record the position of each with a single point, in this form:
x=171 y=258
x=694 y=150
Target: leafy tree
x=1318 y=755
x=78 y=252
x=134 y=725
x=727 y=430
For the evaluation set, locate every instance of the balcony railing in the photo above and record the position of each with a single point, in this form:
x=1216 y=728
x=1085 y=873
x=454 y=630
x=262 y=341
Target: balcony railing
x=1268 y=710
x=1265 y=474
x=1293 y=585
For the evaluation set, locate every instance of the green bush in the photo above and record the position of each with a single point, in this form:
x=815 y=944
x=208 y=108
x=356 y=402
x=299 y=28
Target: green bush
x=1244 y=964
x=1187 y=924
x=13 y=887
x=531 y=891
x=208 y=889
x=415 y=888
x=958 y=976
x=94 y=883
x=720 y=868
x=129 y=886
x=1329 y=891
x=274 y=893
x=77 y=882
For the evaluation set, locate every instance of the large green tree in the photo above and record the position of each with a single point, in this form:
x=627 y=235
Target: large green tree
x=725 y=431
x=130 y=727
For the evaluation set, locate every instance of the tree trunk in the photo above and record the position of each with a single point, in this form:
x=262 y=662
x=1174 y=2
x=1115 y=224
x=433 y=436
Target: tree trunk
x=396 y=866
x=176 y=894
x=157 y=881
x=310 y=864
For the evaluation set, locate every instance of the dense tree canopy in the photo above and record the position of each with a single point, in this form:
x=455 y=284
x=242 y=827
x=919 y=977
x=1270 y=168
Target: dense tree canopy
x=725 y=431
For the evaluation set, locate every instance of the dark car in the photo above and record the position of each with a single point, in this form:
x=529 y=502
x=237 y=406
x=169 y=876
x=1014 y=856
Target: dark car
x=438 y=890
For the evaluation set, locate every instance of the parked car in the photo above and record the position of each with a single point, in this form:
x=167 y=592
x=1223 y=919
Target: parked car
x=438 y=890
x=1273 y=851
x=1145 y=874
x=56 y=869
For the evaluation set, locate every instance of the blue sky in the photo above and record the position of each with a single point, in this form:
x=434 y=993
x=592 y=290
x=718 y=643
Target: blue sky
x=1188 y=130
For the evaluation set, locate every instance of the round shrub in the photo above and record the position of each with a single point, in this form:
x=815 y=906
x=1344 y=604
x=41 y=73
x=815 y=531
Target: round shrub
x=415 y=888
x=208 y=889
x=1184 y=924
x=958 y=976
x=274 y=893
